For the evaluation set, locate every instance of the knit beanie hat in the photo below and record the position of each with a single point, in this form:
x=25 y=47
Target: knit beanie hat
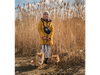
x=46 y=12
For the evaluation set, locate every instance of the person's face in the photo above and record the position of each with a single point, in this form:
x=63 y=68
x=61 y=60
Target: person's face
x=46 y=16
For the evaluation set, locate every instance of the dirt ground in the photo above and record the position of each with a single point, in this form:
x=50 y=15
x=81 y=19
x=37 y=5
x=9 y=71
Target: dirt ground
x=23 y=67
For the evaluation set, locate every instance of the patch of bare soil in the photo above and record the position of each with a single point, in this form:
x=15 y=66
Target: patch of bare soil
x=23 y=67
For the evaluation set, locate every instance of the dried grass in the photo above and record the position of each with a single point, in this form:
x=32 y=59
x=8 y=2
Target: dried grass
x=69 y=33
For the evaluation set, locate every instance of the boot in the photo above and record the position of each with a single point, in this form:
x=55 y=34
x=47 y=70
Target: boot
x=46 y=59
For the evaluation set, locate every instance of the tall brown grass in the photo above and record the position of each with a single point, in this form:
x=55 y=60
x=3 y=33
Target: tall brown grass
x=69 y=31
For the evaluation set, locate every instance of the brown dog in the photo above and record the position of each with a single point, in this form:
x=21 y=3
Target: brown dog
x=55 y=59
x=35 y=63
x=38 y=61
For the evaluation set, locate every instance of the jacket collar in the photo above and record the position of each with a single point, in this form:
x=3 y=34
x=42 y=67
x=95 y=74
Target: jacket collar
x=45 y=20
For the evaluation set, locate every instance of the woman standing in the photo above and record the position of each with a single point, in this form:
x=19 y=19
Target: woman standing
x=45 y=39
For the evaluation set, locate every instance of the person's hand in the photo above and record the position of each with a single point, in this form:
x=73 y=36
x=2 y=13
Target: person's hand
x=48 y=38
x=44 y=38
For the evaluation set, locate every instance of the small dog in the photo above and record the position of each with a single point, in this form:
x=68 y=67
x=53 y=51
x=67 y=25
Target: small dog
x=55 y=59
x=38 y=61
x=35 y=63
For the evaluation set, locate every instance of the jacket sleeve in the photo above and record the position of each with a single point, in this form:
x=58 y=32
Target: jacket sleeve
x=52 y=31
x=40 y=29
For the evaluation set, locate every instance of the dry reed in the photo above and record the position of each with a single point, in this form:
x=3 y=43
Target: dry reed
x=69 y=30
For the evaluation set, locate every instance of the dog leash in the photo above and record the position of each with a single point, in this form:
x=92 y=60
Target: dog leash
x=44 y=47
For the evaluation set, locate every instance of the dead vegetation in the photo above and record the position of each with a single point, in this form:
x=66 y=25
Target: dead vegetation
x=69 y=30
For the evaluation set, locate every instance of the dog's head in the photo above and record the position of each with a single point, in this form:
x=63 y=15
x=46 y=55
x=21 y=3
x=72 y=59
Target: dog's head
x=40 y=54
x=55 y=58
